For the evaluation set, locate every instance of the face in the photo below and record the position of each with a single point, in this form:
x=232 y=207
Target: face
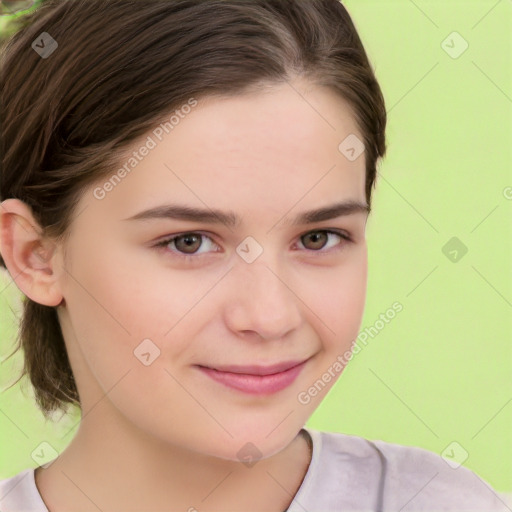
x=143 y=313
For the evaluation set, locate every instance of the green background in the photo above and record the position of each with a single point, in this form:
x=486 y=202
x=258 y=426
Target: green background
x=441 y=370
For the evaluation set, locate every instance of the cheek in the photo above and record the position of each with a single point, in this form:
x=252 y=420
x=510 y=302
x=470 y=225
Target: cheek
x=118 y=303
x=129 y=296
x=338 y=299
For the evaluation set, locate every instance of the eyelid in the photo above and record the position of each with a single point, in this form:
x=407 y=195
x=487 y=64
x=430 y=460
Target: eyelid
x=170 y=238
x=343 y=234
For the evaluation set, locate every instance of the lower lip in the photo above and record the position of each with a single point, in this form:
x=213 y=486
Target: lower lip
x=255 y=384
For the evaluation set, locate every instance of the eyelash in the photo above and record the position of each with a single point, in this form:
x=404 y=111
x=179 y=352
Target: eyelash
x=190 y=257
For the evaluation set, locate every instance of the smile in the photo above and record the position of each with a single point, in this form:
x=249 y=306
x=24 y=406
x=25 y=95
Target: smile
x=255 y=384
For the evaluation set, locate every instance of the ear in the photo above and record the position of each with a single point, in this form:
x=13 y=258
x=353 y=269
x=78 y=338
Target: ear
x=33 y=262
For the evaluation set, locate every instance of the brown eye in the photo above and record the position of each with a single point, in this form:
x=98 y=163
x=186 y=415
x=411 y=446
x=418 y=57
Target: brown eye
x=317 y=240
x=188 y=243
x=314 y=240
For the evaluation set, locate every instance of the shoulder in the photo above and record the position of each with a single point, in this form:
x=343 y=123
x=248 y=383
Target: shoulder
x=421 y=479
x=411 y=478
x=19 y=493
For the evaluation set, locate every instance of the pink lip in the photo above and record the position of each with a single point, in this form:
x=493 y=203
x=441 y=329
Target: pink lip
x=261 y=380
x=257 y=370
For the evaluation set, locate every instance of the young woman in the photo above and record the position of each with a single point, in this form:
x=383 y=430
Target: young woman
x=185 y=187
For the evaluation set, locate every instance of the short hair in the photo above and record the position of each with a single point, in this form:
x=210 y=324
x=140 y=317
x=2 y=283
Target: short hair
x=121 y=66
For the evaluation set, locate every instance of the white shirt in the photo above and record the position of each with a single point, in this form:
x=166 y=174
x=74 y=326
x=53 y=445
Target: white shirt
x=347 y=474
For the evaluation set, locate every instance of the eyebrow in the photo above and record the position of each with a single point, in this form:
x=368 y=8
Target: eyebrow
x=230 y=219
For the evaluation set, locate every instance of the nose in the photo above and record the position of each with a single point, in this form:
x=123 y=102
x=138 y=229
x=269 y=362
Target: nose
x=260 y=301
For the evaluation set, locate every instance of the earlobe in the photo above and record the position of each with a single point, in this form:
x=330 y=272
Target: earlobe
x=31 y=259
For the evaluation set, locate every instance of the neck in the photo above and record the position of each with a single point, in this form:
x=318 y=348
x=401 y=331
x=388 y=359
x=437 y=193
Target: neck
x=114 y=466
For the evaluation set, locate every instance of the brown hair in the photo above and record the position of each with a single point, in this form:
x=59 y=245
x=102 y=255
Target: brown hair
x=120 y=68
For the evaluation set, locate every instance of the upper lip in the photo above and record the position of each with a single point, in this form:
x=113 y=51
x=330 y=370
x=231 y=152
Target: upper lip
x=258 y=370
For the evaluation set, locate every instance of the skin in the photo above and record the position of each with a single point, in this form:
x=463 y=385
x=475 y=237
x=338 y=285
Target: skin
x=163 y=434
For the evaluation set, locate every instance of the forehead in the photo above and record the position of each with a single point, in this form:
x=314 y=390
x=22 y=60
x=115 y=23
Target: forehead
x=288 y=122
x=255 y=153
